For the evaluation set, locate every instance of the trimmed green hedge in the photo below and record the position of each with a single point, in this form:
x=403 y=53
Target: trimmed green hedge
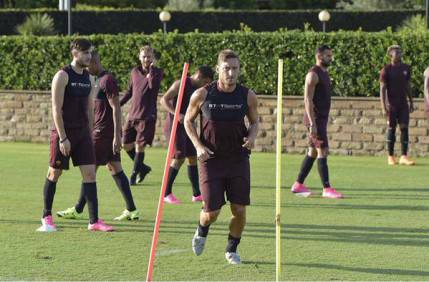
x=31 y=62
x=147 y=21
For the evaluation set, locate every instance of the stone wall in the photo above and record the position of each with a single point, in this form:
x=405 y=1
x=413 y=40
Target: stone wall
x=356 y=126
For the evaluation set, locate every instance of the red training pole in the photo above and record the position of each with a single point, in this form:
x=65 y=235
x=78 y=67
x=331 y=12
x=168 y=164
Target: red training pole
x=165 y=177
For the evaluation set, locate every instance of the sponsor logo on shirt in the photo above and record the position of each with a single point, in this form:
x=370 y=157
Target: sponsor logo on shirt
x=225 y=107
x=79 y=84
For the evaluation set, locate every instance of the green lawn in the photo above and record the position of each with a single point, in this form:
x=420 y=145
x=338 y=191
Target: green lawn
x=379 y=232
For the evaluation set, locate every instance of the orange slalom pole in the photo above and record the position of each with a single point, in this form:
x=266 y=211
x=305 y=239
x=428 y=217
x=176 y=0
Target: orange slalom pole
x=170 y=153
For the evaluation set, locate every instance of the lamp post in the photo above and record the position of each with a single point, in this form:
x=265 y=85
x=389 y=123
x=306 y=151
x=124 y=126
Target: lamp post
x=65 y=5
x=324 y=17
x=164 y=17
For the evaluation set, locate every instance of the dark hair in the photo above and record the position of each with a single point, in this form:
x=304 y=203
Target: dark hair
x=206 y=72
x=95 y=55
x=322 y=49
x=80 y=44
x=94 y=52
x=225 y=55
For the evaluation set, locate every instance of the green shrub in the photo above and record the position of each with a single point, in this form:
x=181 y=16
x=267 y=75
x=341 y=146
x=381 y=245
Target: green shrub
x=31 y=62
x=37 y=24
x=415 y=23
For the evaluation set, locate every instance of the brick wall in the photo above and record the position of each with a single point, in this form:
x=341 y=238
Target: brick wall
x=356 y=126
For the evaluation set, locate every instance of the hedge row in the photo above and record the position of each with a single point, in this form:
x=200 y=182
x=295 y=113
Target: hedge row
x=147 y=21
x=30 y=62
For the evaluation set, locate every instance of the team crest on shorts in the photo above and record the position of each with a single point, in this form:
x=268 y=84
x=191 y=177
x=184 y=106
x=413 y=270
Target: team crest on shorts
x=58 y=162
x=405 y=73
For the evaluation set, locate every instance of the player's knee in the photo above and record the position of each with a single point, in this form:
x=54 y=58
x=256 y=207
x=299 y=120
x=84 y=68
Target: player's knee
x=114 y=167
x=140 y=148
x=54 y=174
x=192 y=161
x=128 y=147
x=322 y=153
x=238 y=211
x=177 y=163
x=211 y=216
x=312 y=152
x=89 y=175
x=403 y=127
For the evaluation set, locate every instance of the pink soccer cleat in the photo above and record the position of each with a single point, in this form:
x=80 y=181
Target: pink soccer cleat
x=198 y=198
x=300 y=190
x=171 y=199
x=100 y=226
x=331 y=193
x=47 y=225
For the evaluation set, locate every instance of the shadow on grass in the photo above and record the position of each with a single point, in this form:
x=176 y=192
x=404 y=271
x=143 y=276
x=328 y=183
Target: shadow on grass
x=363 y=269
x=348 y=189
x=350 y=206
x=300 y=232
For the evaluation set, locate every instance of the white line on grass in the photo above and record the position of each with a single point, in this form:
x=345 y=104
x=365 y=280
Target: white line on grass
x=169 y=252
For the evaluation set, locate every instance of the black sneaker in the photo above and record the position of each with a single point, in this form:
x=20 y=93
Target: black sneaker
x=133 y=178
x=145 y=170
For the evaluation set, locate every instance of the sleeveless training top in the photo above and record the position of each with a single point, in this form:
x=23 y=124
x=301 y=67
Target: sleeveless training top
x=223 y=127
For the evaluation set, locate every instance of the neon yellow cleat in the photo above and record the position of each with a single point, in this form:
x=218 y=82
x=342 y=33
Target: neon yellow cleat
x=70 y=213
x=127 y=215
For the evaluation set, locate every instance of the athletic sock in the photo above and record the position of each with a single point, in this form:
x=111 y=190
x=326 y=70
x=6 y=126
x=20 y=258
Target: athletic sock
x=90 y=190
x=48 y=196
x=193 y=177
x=138 y=162
x=203 y=231
x=172 y=173
x=124 y=187
x=390 y=140
x=404 y=141
x=306 y=166
x=322 y=165
x=80 y=205
x=231 y=246
x=131 y=153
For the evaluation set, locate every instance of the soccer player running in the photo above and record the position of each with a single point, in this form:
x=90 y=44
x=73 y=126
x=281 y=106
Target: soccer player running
x=183 y=146
x=395 y=87
x=139 y=129
x=317 y=101
x=223 y=150
x=72 y=110
x=106 y=136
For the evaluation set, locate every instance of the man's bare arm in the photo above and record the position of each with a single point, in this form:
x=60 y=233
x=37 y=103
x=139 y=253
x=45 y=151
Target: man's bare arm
x=253 y=118
x=167 y=99
x=383 y=95
x=59 y=84
x=116 y=109
x=194 y=108
x=311 y=81
x=92 y=95
x=58 y=87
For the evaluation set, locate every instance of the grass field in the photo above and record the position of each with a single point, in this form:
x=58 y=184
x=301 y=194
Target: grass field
x=379 y=232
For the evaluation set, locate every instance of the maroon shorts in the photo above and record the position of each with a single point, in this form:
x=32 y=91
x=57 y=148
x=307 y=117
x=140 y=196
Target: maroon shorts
x=82 y=149
x=398 y=114
x=225 y=176
x=322 y=134
x=140 y=131
x=103 y=147
x=183 y=147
